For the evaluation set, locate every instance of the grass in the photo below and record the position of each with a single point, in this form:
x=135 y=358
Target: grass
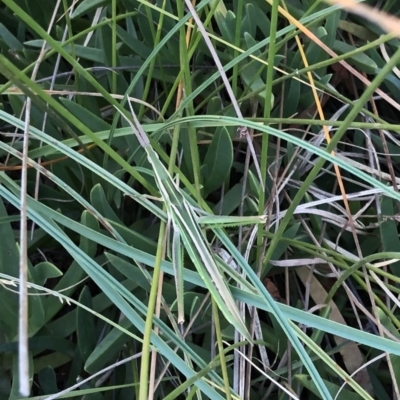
x=199 y=204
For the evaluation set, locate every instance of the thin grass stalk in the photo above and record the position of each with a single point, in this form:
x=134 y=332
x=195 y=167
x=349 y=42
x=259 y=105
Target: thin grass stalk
x=240 y=364
x=333 y=93
x=12 y=281
x=380 y=124
x=76 y=196
x=249 y=53
x=285 y=324
x=329 y=51
x=114 y=124
x=117 y=293
x=238 y=30
x=23 y=326
x=214 y=364
x=221 y=351
x=85 y=162
x=67 y=13
x=34 y=91
x=145 y=361
x=144 y=375
x=144 y=372
x=328 y=361
x=172 y=93
x=37 y=211
x=179 y=251
x=70 y=41
x=225 y=79
x=358 y=265
x=333 y=60
x=335 y=139
x=157 y=37
x=160 y=281
x=297 y=74
x=113 y=45
x=195 y=42
x=267 y=115
x=336 y=168
x=121 y=298
x=23 y=349
x=185 y=53
x=212 y=120
x=196 y=38
x=60 y=49
x=152 y=56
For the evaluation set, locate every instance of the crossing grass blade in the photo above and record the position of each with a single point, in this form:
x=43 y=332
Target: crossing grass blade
x=184 y=221
x=177 y=258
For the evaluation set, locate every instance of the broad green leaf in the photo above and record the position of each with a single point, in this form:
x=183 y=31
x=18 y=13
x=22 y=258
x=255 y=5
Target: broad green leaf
x=227 y=26
x=292 y=97
x=132 y=272
x=9 y=264
x=314 y=52
x=133 y=235
x=247 y=25
x=388 y=230
x=360 y=60
x=251 y=73
x=261 y=20
x=363 y=33
x=93 y=122
x=253 y=300
x=74 y=273
x=99 y=201
x=87 y=5
x=85 y=325
x=218 y=160
x=108 y=349
x=107 y=284
x=65 y=325
x=10 y=40
x=331 y=25
x=232 y=200
x=45 y=270
x=137 y=46
x=48 y=381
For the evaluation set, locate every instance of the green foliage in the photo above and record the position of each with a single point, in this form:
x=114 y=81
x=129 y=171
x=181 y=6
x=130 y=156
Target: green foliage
x=101 y=208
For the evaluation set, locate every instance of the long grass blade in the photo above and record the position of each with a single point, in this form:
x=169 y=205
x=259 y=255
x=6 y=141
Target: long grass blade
x=184 y=220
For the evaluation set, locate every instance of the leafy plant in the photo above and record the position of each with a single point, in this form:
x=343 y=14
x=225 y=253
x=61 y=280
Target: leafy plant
x=211 y=197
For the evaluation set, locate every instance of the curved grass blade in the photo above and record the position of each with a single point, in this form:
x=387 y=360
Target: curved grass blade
x=184 y=221
x=120 y=296
x=253 y=300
